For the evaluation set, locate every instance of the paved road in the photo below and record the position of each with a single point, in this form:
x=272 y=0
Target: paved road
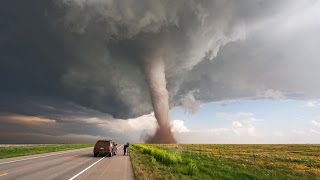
x=74 y=164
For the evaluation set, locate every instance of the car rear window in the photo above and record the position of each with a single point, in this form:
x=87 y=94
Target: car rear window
x=102 y=143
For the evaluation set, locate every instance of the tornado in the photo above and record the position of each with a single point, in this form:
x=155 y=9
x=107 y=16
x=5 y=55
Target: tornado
x=156 y=79
x=123 y=49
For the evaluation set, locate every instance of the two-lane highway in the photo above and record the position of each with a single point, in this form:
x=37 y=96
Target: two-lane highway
x=73 y=164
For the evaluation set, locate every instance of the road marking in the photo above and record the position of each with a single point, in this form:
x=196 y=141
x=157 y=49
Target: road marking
x=40 y=156
x=4 y=174
x=86 y=169
x=119 y=147
x=75 y=176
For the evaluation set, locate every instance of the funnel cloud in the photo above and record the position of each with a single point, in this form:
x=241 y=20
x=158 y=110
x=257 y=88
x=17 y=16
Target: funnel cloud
x=160 y=100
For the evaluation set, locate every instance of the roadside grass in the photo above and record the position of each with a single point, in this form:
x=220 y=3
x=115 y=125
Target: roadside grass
x=226 y=161
x=14 y=151
x=159 y=154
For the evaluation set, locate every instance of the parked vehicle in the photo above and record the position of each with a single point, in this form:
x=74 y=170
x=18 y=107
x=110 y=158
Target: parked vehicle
x=105 y=147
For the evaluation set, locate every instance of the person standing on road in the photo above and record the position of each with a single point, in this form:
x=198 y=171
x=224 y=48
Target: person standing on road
x=125 y=149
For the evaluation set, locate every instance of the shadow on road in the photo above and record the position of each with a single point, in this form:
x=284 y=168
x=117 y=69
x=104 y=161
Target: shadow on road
x=86 y=155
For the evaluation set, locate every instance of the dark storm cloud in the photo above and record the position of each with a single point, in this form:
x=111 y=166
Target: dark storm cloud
x=99 y=66
x=72 y=59
x=284 y=59
x=36 y=60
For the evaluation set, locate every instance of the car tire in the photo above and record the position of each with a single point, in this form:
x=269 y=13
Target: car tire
x=110 y=154
x=95 y=154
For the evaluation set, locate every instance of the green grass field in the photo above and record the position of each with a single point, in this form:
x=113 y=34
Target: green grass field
x=13 y=151
x=225 y=161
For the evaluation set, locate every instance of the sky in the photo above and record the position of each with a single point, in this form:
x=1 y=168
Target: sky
x=236 y=71
x=250 y=121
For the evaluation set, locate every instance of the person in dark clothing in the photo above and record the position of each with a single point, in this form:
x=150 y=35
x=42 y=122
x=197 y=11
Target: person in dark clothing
x=125 y=149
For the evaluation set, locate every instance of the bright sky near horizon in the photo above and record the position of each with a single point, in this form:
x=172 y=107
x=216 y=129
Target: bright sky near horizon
x=250 y=121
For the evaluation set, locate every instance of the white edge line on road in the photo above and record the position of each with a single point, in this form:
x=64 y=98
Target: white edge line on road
x=39 y=157
x=119 y=147
x=86 y=169
x=75 y=176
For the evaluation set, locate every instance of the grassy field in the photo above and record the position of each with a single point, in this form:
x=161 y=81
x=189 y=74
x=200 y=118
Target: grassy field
x=225 y=161
x=13 y=151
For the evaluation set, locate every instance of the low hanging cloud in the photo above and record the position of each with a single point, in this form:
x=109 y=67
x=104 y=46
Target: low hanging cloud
x=238 y=130
x=242 y=123
x=309 y=131
x=178 y=126
x=272 y=94
x=315 y=123
x=190 y=103
x=312 y=103
x=40 y=138
x=238 y=125
x=244 y=117
x=15 y=118
x=143 y=123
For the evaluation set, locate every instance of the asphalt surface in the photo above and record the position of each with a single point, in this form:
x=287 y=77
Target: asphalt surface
x=69 y=165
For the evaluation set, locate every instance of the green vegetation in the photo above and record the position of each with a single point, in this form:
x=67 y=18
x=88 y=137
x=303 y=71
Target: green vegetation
x=13 y=151
x=159 y=154
x=225 y=161
x=192 y=168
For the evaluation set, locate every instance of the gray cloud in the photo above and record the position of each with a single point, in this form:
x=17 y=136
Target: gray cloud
x=280 y=55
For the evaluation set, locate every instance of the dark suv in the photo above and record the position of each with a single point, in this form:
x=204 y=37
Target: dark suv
x=105 y=147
